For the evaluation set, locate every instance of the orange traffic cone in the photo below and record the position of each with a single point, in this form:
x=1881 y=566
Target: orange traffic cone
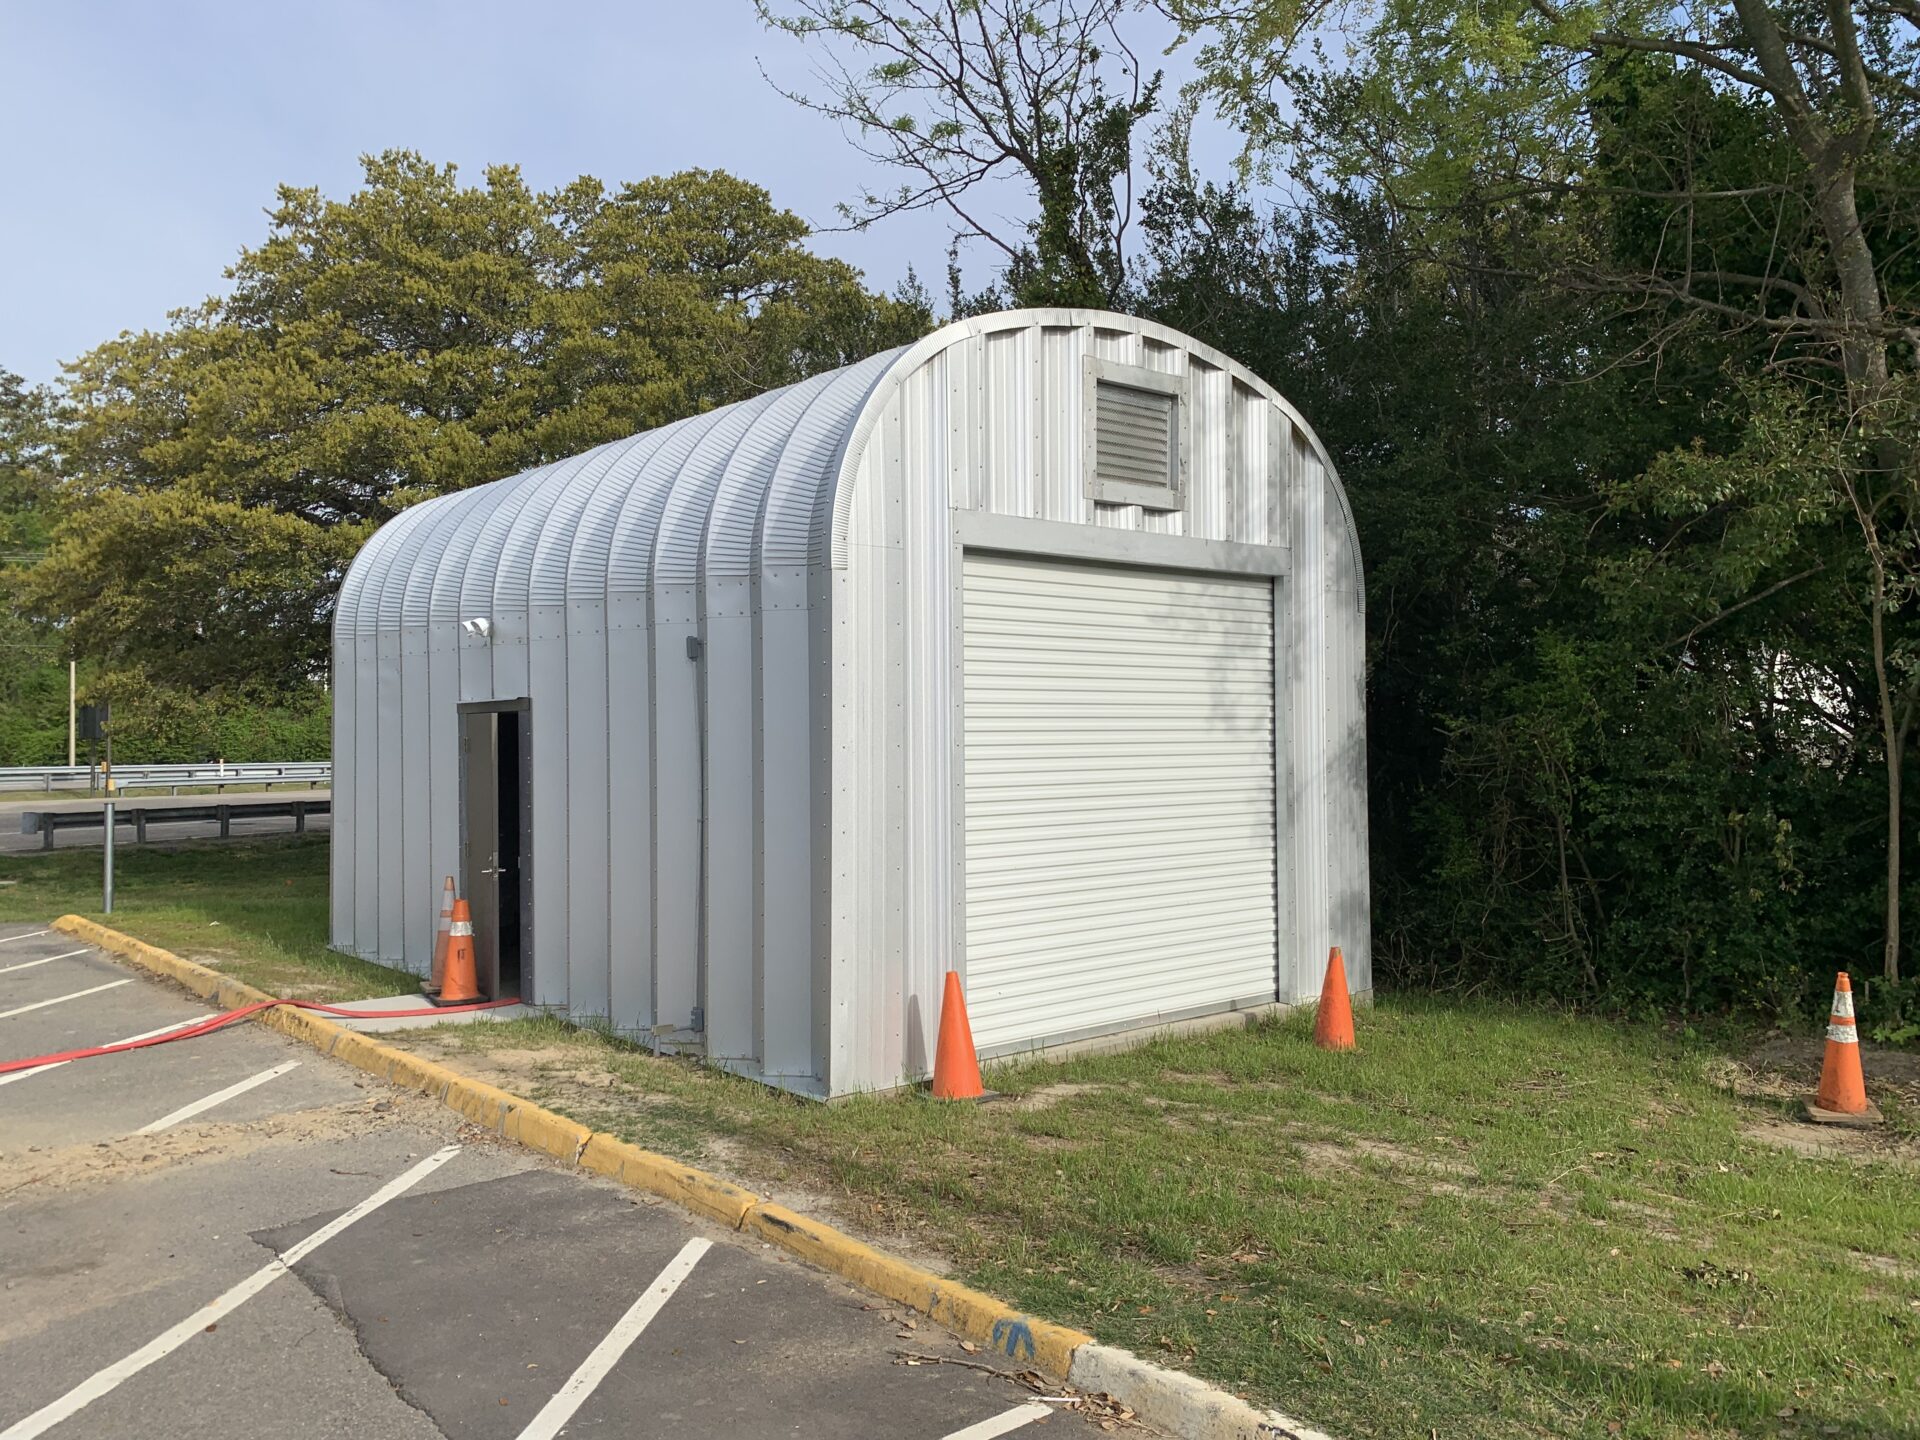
x=1842 y=1097
x=459 y=985
x=1333 y=1021
x=956 y=1065
x=442 y=928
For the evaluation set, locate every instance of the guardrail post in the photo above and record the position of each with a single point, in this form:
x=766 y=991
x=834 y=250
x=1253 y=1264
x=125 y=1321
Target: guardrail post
x=139 y=827
x=226 y=818
x=106 y=883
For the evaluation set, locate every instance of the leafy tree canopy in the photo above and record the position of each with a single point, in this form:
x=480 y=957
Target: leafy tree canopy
x=420 y=336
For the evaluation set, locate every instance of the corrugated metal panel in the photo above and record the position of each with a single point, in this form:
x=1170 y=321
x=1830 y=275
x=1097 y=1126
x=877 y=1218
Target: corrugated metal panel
x=1057 y=384
x=591 y=556
x=729 y=804
x=595 y=904
x=536 y=522
x=1007 y=486
x=463 y=522
x=635 y=529
x=481 y=572
x=789 y=525
x=683 y=524
x=340 y=876
x=1119 y=784
x=1210 y=467
x=576 y=485
x=442 y=516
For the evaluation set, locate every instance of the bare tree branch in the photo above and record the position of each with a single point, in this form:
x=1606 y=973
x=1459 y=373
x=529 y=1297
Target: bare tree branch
x=964 y=94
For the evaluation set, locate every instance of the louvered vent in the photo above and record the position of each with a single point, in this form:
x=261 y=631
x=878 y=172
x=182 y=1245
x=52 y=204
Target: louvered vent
x=1135 y=435
x=1136 y=453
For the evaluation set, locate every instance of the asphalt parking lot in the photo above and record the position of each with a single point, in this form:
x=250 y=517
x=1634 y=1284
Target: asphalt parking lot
x=233 y=1236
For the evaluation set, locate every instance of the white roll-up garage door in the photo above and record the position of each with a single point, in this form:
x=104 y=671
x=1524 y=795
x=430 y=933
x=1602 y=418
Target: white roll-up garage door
x=1120 y=851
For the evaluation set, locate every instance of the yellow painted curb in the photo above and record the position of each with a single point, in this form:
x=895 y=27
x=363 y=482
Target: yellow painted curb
x=711 y=1196
x=485 y=1105
x=972 y=1314
x=540 y=1129
x=1039 y=1343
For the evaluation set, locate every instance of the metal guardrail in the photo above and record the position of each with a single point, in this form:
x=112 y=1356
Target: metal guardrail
x=48 y=778
x=45 y=822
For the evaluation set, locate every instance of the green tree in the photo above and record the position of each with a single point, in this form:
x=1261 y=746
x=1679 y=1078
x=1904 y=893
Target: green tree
x=1735 y=176
x=33 y=682
x=420 y=336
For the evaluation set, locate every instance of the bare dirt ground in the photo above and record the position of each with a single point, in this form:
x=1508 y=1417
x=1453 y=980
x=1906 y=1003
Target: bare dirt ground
x=136 y=1156
x=1787 y=1067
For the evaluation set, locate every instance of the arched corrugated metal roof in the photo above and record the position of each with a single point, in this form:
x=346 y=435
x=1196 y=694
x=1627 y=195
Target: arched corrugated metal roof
x=705 y=497
x=553 y=546
x=445 y=514
x=357 y=612
x=734 y=516
x=593 y=534
x=683 y=521
x=763 y=483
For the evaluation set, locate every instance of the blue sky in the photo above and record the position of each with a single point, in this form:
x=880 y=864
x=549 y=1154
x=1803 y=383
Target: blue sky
x=144 y=140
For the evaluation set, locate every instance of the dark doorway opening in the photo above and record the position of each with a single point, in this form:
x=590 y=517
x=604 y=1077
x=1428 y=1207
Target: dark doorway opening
x=507 y=752
x=495 y=827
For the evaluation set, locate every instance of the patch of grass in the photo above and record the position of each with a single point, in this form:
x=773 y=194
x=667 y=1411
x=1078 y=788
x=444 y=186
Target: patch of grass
x=254 y=909
x=1485 y=1222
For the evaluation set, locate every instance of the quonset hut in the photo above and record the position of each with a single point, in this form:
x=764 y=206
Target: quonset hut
x=1032 y=650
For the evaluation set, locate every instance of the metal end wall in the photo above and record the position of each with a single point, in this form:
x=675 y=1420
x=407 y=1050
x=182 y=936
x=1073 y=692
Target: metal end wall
x=976 y=441
x=810 y=540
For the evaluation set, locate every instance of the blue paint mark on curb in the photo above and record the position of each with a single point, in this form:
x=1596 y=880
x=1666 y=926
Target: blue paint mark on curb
x=1011 y=1336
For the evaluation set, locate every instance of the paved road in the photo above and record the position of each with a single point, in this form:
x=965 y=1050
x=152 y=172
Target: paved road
x=441 y=1282
x=12 y=842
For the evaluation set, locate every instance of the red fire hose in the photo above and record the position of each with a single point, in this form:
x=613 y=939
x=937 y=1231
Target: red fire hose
x=230 y=1017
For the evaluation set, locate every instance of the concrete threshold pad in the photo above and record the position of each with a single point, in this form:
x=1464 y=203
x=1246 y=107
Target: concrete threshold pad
x=418 y=1001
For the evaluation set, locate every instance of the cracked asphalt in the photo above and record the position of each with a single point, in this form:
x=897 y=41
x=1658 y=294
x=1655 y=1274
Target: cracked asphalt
x=462 y=1286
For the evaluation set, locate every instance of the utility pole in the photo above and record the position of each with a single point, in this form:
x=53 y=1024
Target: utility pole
x=73 y=690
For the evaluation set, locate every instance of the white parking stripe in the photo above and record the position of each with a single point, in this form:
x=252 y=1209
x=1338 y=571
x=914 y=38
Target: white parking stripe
x=27 y=935
x=557 y=1411
x=187 y=1112
x=44 y=960
x=56 y=1064
x=62 y=999
x=104 y=1382
x=986 y=1429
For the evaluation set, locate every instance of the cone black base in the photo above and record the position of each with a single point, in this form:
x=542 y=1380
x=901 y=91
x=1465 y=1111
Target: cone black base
x=1866 y=1119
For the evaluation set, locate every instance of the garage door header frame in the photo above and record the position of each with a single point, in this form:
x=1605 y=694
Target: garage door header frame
x=1059 y=540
